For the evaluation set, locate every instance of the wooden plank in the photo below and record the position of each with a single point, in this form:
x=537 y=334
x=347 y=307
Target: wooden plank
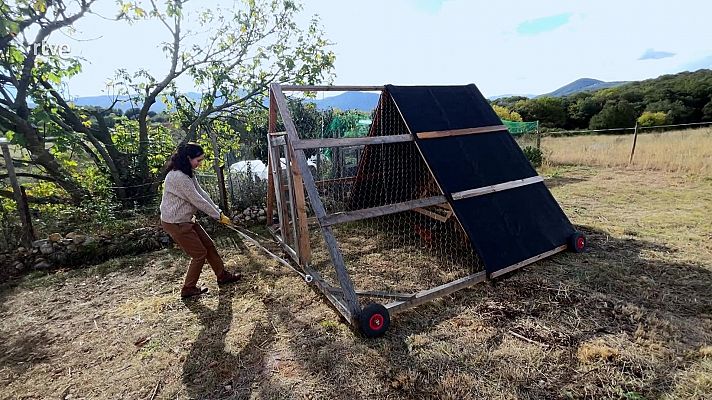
x=345 y=142
x=528 y=261
x=292 y=214
x=460 y=132
x=299 y=210
x=439 y=291
x=28 y=234
x=336 y=257
x=327 y=290
x=496 y=188
x=287 y=249
x=433 y=215
x=365 y=213
x=379 y=293
x=279 y=194
x=331 y=88
x=272 y=127
x=279 y=140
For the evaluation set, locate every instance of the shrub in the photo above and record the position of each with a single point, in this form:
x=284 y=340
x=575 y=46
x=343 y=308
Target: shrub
x=534 y=155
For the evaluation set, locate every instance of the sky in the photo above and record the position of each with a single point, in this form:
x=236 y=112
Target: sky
x=504 y=47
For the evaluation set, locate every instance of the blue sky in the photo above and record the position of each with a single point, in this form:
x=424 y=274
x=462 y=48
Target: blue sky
x=505 y=47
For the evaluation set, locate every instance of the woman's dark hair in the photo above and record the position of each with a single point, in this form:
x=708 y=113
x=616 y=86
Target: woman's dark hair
x=180 y=160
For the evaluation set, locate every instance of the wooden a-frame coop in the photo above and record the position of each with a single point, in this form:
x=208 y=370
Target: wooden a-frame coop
x=433 y=153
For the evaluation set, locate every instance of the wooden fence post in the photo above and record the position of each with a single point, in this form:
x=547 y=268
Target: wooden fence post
x=28 y=234
x=635 y=139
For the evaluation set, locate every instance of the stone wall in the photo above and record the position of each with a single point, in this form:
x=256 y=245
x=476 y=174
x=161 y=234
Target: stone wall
x=75 y=249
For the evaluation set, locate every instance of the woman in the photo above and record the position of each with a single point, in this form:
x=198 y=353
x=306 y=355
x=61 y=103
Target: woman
x=182 y=198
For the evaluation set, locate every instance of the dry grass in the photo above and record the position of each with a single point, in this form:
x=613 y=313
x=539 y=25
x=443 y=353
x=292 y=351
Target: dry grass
x=631 y=319
x=687 y=151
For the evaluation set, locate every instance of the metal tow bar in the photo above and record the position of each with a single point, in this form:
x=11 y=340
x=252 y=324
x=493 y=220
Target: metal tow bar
x=307 y=278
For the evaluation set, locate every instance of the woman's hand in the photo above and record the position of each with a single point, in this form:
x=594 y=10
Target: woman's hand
x=225 y=220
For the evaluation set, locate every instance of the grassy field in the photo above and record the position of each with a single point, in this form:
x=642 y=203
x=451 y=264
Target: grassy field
x=688 y=151
x=631 y=319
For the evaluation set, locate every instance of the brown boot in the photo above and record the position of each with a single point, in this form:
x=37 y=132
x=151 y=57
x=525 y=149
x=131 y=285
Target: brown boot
x=192 y=291
x=227 y=278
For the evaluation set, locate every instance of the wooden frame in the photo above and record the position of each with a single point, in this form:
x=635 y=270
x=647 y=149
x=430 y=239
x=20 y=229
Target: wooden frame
x=496 y=188
x=343 y=296
x=460 y=132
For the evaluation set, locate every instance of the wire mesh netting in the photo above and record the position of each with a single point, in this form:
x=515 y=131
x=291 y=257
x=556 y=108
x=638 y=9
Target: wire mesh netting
x=403 y=252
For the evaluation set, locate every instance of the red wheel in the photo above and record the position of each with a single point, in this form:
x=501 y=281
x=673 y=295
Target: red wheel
x=577 y=242
x=374 y=320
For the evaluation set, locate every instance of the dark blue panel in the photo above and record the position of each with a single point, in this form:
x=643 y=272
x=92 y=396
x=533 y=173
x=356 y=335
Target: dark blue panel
x=505 y=227
x=439 y=108
x=513 y=225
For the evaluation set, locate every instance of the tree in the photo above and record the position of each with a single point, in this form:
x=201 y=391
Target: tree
x=653 y=118
x=247 y=47
x=549 y=111
x=251 y=45
x=26 y=75
x=505 y=114
x=620 y=114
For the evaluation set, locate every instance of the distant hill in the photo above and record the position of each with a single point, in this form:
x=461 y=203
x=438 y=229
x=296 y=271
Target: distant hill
x=502 y=96
x=362 y=101
x=582 y=85
x=124 y=104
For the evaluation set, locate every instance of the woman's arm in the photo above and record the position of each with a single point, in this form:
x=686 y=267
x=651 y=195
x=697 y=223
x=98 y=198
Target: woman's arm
x=203 y=193
x=188 y=191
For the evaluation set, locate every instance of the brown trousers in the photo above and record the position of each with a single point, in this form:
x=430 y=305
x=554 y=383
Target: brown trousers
x=199 y=246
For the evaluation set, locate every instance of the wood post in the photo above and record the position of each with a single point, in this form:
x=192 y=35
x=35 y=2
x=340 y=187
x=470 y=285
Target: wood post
x=337 y=258
x=272 y=127
x=635 y=139
x=28 y=234
x=538 y=136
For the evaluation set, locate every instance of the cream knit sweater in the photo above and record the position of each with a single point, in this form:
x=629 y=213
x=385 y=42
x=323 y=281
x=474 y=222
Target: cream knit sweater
x=183 y=197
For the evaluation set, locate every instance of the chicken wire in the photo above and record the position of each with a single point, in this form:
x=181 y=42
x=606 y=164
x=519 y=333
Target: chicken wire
x=403 y=252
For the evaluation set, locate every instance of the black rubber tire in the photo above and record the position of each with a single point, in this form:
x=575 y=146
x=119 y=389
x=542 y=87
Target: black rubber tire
x=578 y=242
x=374 y=320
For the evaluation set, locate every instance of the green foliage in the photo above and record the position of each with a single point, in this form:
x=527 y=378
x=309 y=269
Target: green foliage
x=615 y=114
x=685 y=97
x=549 y=111
x=534 y=156
x=506 y=114
x=653 y=118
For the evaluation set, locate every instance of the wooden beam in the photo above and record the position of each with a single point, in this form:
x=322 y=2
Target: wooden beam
x=496 y=188
x=336 y=257
x=378 y=293
x=331 y=88
x=28 y=233
x=279 y=140
x=274 y=160
x=299 y=209
x=290 y=251
x=365 y=213
x=528 y=261
x=271 y=128
x=439 y=291
x=433 y=215
x=327 y=290
x=345 y=142
x=460 y=132
x=292 y=214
